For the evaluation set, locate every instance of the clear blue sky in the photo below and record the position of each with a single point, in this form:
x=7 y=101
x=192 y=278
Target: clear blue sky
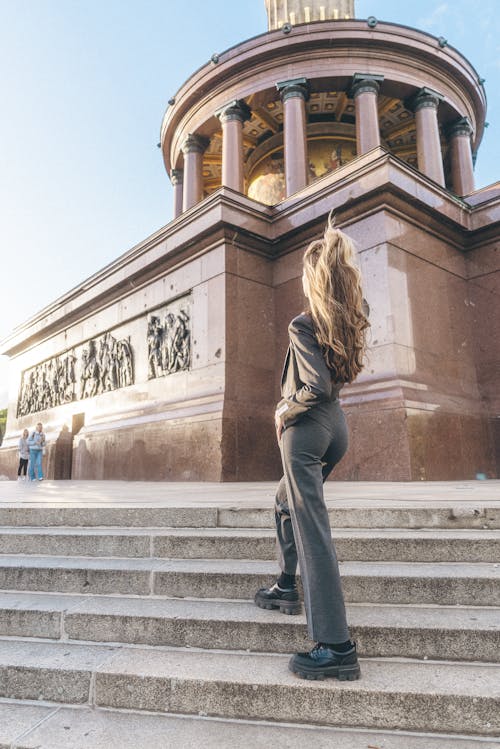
x=84 y=85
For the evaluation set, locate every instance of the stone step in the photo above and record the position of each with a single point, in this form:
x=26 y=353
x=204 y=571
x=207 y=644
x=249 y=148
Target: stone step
x=28 y=726
x=410 y=695
x=436 y=632
x=357 y=544
x=475 y=584
x=414 y=515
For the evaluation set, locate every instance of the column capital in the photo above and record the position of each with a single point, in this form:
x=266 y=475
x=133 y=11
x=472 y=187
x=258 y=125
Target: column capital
x=462 y=126
x=426 y=97
x=296 y=87
x=234 y=110
x=194 y=143
x=365 y=83
x=176 y=176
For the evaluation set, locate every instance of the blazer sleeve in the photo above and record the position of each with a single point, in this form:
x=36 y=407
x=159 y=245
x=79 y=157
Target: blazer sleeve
x=313 y=373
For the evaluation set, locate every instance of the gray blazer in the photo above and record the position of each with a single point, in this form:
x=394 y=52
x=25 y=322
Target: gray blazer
x=306 y=382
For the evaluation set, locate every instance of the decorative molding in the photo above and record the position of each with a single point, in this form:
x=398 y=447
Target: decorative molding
x=234 y=110
x=194 y=144
x=426 y=97
x=365 y=83
x=296 y=87
x=461 y=126
x=177 y=176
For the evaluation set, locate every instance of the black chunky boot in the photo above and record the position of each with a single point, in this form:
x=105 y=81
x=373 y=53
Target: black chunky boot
x=322 y=662
x=284 y=599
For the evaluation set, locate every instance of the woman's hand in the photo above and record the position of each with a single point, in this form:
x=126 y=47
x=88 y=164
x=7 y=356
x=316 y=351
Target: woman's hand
x=279 y=424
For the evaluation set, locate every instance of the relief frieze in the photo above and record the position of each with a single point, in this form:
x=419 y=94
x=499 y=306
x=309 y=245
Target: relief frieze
x=99 y=366
x=169 y=339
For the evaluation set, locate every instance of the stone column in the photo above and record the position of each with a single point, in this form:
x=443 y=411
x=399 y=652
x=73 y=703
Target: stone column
x=294 y=94
x=193 y=148
x=462 y=169
x=429 y=156
x=364 y=91
x=176 y=176
x=232 y=116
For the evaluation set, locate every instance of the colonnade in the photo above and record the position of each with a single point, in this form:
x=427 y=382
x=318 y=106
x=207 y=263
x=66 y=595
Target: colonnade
x=188 y=183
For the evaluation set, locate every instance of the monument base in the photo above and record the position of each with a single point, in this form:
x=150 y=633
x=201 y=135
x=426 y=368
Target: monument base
x=169 y=360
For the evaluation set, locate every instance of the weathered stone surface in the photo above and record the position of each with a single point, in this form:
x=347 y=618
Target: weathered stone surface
x=377 y=517
x=52 y=672
x=421 y=651
x=353 y=504
x=391 y=694
x=443 y=545
x=183 y=517
x=406 y=695
x=384 y=544
x=465 y=633
x=75 y=542
x=77 y=574
x=98 y=729
x=405 y=631
x=376 y=582
x=16 y=720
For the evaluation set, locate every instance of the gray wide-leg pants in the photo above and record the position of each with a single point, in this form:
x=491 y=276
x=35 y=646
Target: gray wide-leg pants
x=309 y=451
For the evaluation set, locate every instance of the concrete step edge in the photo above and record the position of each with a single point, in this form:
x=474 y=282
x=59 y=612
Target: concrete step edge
x=246 y=566
x=481 y=515
x=407 y=616
x=377 y=582
x=388 y=545
x=414 y=696
x=52 y=726
x=246 y=532
x=435 y=632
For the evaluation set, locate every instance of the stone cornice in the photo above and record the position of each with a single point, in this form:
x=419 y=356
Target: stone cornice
x=403 y=55
x=374 y=181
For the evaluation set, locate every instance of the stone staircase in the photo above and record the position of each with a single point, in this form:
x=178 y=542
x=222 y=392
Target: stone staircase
x=127 y=625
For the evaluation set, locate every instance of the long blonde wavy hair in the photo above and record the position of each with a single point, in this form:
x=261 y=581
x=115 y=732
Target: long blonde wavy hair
x=336 y=304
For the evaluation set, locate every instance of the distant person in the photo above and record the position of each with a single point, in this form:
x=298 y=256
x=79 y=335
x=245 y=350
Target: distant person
x=36 y=444
x=326 y=349
x=24 y=454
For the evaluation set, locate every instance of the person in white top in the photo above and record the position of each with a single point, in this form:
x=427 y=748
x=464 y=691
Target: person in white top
x=24 y=454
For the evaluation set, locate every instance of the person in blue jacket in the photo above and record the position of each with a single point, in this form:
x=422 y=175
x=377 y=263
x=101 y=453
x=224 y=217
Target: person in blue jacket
x=36 y=443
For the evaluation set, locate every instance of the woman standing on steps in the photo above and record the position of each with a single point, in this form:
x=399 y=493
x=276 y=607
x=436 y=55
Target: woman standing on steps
x=327 y=344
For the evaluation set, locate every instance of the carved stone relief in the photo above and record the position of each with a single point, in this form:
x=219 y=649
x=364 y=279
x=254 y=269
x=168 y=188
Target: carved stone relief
x=169 y=340
x=106 y=364
x=101 y=365
x=47 y=385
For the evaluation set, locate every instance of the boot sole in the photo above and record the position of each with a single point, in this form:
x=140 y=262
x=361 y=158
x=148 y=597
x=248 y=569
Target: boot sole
x=285 y=607
x=342 y=673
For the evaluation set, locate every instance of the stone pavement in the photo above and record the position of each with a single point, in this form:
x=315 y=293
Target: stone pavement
x=250 y=494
